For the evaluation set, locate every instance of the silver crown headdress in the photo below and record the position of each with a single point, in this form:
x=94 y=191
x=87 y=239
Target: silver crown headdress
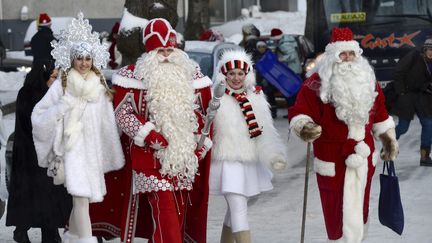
x=79 y=40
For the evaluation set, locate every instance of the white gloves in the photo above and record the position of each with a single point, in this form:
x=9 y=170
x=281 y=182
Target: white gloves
x=278 y=164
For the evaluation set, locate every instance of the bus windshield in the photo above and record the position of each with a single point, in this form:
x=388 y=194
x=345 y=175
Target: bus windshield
x=377 y=14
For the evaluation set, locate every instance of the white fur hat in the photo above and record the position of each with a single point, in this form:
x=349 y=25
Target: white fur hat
x=232 y=59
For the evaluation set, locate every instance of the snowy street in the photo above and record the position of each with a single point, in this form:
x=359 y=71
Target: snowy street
x=276 y=216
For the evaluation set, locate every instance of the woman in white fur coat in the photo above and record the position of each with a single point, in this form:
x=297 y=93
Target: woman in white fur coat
x=75 y=121
x=246 y=144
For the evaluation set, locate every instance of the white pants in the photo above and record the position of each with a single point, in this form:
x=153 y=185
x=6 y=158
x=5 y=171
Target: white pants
x=79 y=221
x=236 y=215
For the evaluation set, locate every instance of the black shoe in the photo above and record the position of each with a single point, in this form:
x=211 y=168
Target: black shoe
x=426 y=162
x=50 y=236
x=20 y=235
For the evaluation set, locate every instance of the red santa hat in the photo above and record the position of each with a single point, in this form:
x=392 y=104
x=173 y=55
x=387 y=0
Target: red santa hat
x=159 y=33
x=342 y=39
x=43 y=20
x=276 y=34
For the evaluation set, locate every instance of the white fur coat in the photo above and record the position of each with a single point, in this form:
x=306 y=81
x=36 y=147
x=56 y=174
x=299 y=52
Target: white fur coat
x=231 y=140
x=89 y=142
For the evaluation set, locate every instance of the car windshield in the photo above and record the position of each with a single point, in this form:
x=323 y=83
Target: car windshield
x=204 y=60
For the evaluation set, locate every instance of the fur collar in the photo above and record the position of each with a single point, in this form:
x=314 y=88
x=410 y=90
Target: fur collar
x=86 y=88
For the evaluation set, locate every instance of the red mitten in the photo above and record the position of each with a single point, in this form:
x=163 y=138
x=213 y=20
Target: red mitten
x=155 y=140
x=201 y=153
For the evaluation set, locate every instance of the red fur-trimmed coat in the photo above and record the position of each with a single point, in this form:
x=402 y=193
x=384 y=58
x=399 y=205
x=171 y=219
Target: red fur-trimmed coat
x=110 y=217
x=344 y=166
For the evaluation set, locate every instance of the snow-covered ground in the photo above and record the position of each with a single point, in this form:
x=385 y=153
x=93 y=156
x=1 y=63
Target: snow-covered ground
x=276 y=216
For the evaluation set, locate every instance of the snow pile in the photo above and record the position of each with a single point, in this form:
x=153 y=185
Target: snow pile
x=11 y=81
x=288 y=22
x=129 y=22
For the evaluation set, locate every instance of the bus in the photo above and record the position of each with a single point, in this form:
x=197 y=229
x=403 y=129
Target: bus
x=385 y=29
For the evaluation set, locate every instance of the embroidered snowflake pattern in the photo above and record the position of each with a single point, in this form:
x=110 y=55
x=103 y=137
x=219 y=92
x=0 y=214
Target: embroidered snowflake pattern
x=152 y=183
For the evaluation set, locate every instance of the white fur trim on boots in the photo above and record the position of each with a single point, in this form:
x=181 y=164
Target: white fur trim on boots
x=142 y=133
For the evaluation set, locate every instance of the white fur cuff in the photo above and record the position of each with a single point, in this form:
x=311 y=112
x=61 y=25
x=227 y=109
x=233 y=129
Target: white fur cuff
x=142 y=133
x=324 y=168
x=298 y=122
x=381 y=127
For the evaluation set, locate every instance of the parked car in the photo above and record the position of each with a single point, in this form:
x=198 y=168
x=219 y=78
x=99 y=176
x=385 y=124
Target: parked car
x=207 y=54
x=58 y=24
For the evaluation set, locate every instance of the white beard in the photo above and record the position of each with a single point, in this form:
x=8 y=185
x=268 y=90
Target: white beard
x=171 y=103
x=351 y=89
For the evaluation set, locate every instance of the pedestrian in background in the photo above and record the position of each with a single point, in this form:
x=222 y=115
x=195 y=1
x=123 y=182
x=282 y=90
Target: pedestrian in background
x=246 y=144
x=251 y=36
x=115 y=55
x=41 y=42
x=286 y=49
x=34 y=201
x=413 y=86
x=268 y=88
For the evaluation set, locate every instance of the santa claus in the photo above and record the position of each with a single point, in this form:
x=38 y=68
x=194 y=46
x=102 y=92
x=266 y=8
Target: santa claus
x=340 y=108
x=159 y=105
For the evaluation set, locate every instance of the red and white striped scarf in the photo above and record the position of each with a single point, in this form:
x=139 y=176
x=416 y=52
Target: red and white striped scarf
x=246 y=107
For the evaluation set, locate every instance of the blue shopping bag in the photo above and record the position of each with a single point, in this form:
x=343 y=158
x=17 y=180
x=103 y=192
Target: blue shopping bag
x=278 y=74
x=390 y=211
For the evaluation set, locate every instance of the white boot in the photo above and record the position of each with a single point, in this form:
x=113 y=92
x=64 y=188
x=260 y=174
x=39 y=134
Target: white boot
x=69 y=238
x=91 y=239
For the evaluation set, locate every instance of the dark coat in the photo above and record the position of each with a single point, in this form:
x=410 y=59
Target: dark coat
x=41 y=44
x=34 y=201
x=412 y=79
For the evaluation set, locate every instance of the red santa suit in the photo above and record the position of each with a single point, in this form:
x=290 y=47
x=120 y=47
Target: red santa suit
x=344 y=153
x=145 y=188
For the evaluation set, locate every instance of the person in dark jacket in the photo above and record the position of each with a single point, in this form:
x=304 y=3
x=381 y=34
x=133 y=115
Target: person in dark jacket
x=34 y=201
x=41 y=41
x=413 y=85
x=251 y=35
x=268 y=88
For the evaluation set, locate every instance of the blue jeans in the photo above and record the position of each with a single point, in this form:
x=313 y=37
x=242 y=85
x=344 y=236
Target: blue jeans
x=426 y=132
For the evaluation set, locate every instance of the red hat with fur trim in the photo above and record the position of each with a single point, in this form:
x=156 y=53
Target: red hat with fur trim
x=276 y=34
x=159 y=33
x=43 y=20
x=342 y=39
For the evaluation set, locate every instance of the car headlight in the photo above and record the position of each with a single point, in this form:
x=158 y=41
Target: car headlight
x=311 y=62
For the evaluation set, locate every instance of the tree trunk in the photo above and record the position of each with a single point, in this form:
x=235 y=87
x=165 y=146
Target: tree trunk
x=198 y=19
x=129 y=43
